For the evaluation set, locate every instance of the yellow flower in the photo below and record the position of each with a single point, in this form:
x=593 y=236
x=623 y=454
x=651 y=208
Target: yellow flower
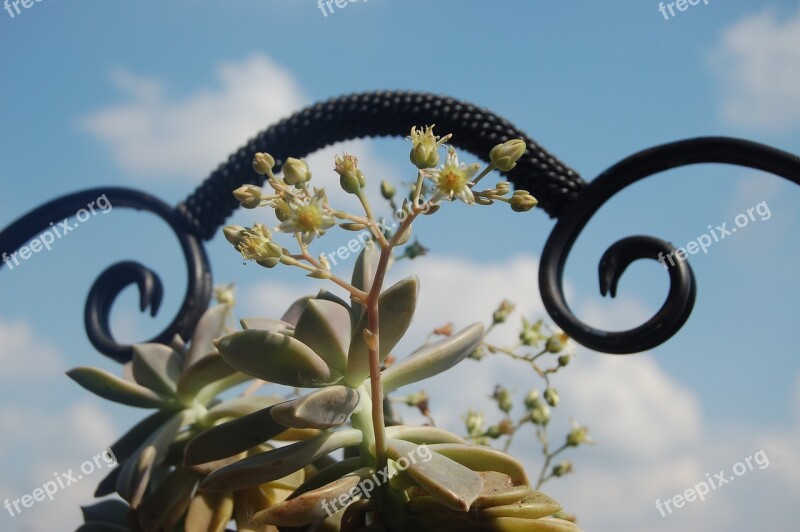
x=309 y=219
x=453 y=180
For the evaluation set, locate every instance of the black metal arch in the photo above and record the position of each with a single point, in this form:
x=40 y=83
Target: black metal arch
x=560 y=190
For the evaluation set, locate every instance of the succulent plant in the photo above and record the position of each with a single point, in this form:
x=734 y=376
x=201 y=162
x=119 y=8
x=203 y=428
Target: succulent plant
x=200 y=461
x=182 y=383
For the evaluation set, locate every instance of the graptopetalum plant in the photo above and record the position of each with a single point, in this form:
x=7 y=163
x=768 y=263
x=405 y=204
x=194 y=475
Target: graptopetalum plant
x=200 y=461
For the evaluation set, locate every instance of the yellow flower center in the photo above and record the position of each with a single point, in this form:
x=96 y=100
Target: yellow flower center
x=309 y=218
x=452 y=180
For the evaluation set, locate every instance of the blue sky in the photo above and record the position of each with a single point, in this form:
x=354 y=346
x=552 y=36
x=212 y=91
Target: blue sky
x=154 y=96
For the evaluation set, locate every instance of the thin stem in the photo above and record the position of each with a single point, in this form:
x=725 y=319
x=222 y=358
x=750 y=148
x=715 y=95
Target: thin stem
x=483 y=174
x=548 y=459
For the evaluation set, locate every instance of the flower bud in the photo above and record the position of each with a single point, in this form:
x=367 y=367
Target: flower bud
x=501 y=314
x=540 y=415
x=234 y=233
x=282 y=210
x=295 y=171
x=578 y=435
x=556 y=343
x=505 y=156
x=562 y=468
x=387 y=190
x=474 y=422
x=478 y=354
x=225 y=295
x=350 y=177
x=263 y=163
x=522 y=201
x=563 y=360
x=425 y=147
x=503 y=398
x=502 y=188
x=532 y=400
x=551 y=396
x=249 y=196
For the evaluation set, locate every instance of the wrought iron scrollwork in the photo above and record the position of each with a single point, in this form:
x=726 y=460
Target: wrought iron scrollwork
x=560 y=190
x=680 y=299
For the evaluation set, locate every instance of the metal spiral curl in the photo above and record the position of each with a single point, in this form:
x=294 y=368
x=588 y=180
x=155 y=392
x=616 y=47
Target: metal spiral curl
x=119 y=276
x=680 y=299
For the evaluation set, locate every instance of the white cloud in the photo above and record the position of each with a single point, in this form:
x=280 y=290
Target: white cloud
x=757 y=62
x=22 y=355
x=152 y=134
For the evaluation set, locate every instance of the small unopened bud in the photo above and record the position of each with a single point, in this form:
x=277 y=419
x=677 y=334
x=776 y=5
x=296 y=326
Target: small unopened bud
x=444 y=330
x=263 y=163
x=387 y=190
x=501 y=314
x=474 y=422
x=578 y=435
x=503 y=398
x=282 y=210
x=562 y=468
x=522 y=201
x=540 y=415
x=563 y=360
x=412 y=251
x=295 y=171
x=551 y=396
x=505 y=155
x=350 y=177
x=249 y=196
x=324 y=261
x=225 y=295
x=532 y=400
x=502 y=188
x=478 y=354
x=556 y=343
x=234 y=233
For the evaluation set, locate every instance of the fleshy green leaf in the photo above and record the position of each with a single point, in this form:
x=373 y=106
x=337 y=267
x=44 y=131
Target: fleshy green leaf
x=207 y=370
x=534 y=506
x=160 y=440
x=483 y=458
x=111 y=511
x=499 y=489
x=364 y=274
x=422 y=435
x=240 y=407
x=395 y=311
x=157 y=367
x=278 y=463
x=209 y=512
x=449 y=482
x=133 y=439
x=268 y=324
x=324 y=326
x=322 y=409
x=232 y=438
x=276 y=358
x=293 y=313
x=433 y=359
x=162 y=509
x=312 y=506
x=111 y=387
x=513 y=524
x=210 y=327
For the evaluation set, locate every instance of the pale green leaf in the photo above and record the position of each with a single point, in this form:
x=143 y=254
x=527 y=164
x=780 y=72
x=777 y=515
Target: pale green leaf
x=276 y=358
x=278 y=463
x=210 y=327
x=434 y=358
x=449 y=482
x=111 y=387
x=324 y=326
x=395 y=311
x=322 y=409
x=157 y=367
